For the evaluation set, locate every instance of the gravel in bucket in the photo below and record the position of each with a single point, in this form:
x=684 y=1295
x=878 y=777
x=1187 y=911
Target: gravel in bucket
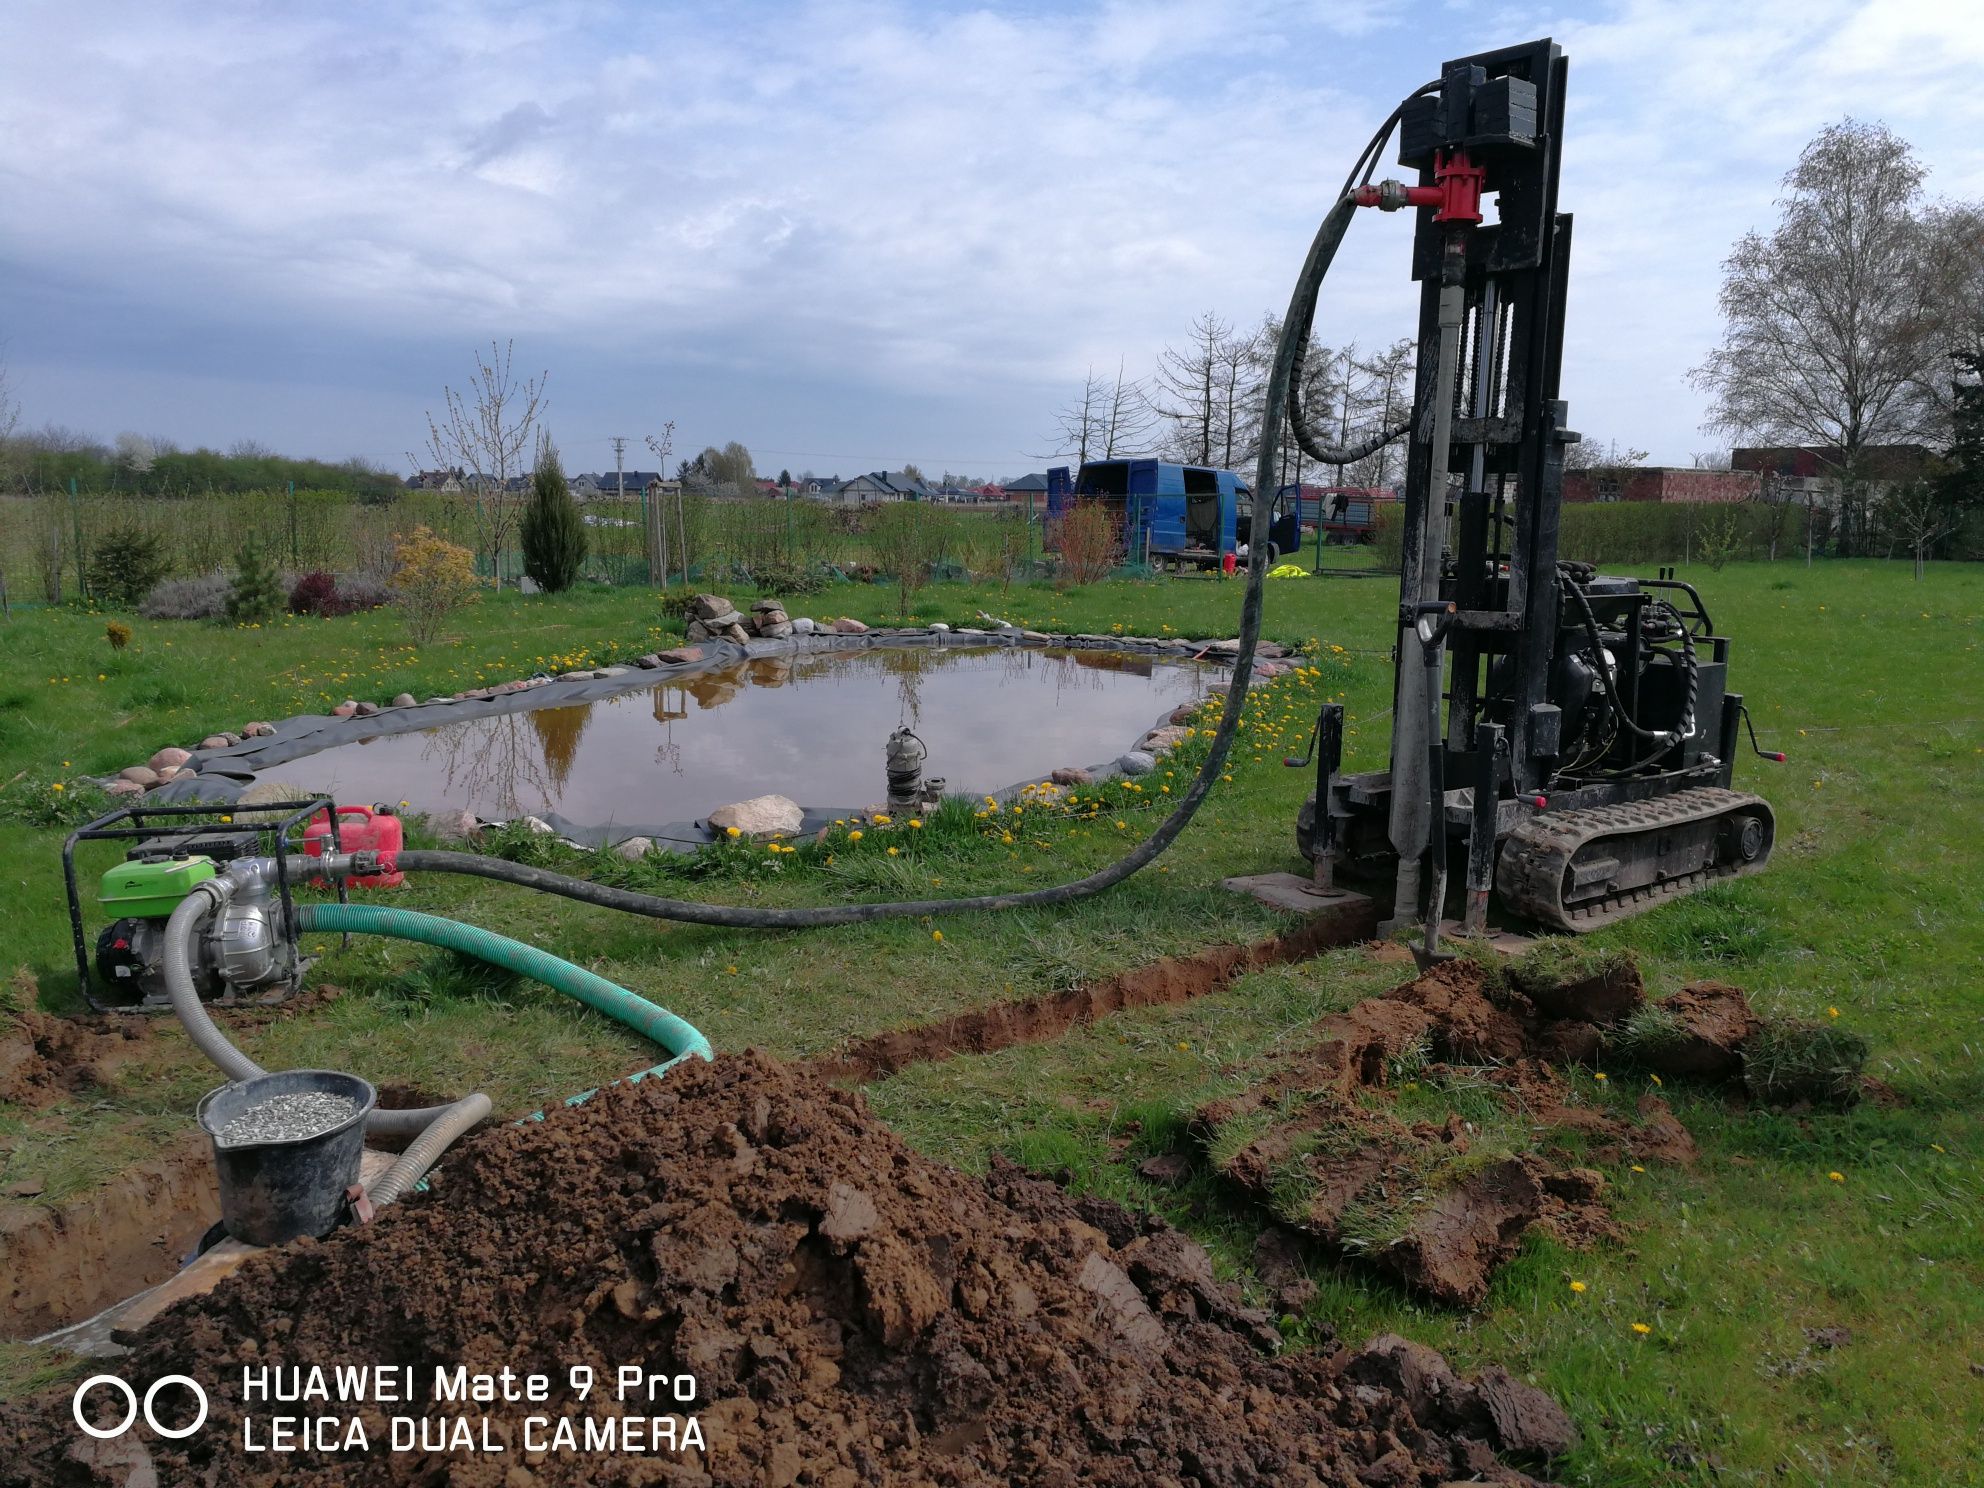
x=287 y=1118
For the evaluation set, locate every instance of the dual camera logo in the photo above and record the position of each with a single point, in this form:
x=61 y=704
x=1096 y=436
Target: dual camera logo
x=132 y=1407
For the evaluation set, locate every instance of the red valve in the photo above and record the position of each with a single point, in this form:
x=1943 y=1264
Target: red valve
x=1780 y=758
x=1539 y=802
x=1455 y=192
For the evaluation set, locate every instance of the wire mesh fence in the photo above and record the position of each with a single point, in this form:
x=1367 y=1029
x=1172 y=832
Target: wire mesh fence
x=48 y=540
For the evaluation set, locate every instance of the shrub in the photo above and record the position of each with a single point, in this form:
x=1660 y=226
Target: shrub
x=201 y=598
x=908 y=537
x=789 y=579
x=552 y=533
x=316 y=593
x=432 y=578
x=125 y=563
x=1088 y=541
x=364 y=591
x=118 y=634
x=257 y=591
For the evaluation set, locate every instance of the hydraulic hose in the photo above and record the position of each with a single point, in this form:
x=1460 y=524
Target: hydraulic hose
x=674 y=1034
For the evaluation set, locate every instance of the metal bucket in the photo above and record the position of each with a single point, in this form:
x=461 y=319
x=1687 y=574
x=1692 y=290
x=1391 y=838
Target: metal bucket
x=274 y=1191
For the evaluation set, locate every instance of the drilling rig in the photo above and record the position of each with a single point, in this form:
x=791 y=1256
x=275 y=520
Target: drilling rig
x=1568 y=736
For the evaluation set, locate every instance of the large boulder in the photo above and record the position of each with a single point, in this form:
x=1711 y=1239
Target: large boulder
x=711 y=607
x=139 y=775
x=848 y=625
x=168 y=757
x=1136 y=762
x=633 y=849
x=761 y=816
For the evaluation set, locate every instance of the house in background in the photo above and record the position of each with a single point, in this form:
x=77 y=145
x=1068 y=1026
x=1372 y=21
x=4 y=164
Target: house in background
x=879 y=486
x=1809 y=474
x=1028 y=488
x=817 y=485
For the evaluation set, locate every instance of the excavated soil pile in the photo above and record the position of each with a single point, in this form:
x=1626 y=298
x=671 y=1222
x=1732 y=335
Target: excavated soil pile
x=853 y=1314
x=1320 y=1141
x=44 y=1058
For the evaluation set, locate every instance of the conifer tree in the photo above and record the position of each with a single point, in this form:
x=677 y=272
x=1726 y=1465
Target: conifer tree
x=553 y=533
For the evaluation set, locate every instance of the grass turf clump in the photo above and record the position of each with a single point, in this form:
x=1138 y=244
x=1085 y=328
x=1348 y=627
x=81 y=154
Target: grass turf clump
x=1790 y=1059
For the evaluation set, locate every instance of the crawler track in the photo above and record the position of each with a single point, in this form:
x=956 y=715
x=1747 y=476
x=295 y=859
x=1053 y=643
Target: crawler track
x=1579 y=870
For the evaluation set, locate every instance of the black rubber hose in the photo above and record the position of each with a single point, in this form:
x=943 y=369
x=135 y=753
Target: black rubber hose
x=1294 y=335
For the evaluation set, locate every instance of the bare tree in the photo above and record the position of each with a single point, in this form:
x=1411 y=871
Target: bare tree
x=1078 y=427
x=1188 y=383
x=1387 y=401
x=490 y=432
x=1126 y=416
x=1829 y=335
x=1920 y=514
x=1710 y=459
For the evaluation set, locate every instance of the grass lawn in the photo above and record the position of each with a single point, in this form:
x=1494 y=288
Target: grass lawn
x=1874 y=684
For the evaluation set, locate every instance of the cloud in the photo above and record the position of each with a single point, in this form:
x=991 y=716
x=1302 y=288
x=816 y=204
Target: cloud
x=889 y=229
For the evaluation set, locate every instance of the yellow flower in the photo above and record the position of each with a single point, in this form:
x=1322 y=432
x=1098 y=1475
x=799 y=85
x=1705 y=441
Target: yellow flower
x=938 y=936
x=1655 y=1078
x=915 y=824
x=1184 y=1046
x=1121 y=825
x=58 y=786
x=1006 y=838
x=1832 y=1012
x=893 y=851
x=1638 y=1169
x=731 y=970
x=733 y=832
x=881 y=820
x=855 y=835
x=1837 y=1177
x=1939 y=1147
x=1641 y=1328
x=1577 y=1286
x=1599 y=1076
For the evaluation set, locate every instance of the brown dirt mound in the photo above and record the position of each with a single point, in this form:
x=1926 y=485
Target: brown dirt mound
x=44 y=1058
x=853 y=1313
x=1713 y=1021
x=1317 y=1141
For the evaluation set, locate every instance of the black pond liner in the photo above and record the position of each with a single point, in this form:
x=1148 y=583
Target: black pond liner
x=225 y=773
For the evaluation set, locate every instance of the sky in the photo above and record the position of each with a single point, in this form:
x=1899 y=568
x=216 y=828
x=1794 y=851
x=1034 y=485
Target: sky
x=846 y=234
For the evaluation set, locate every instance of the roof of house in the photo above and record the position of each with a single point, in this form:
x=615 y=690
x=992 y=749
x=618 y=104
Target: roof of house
x=1027 y=483
x=891 y=480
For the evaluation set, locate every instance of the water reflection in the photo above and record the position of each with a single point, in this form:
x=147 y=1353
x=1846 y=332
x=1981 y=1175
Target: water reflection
x=811 y=727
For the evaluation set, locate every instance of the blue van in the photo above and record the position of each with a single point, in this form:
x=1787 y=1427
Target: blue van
x=1187 y=514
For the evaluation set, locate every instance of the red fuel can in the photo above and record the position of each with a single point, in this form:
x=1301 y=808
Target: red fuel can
x=360 y=828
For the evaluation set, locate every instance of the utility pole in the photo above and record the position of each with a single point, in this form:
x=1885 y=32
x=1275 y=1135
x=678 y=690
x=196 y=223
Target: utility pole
x=620 y=466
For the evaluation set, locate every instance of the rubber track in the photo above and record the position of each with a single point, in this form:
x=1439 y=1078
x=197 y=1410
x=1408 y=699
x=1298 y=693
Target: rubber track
x=1530 y=876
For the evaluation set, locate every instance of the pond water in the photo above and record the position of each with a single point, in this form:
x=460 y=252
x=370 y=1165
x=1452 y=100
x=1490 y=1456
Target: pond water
x=811 y=727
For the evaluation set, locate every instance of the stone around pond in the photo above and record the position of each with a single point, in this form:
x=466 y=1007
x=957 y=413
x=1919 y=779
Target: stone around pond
x=1136 y=762
x=761 y=816
x=848 y=625
x=168 y=757
x=403 y=700
x=1072 y=775
x=634 y=848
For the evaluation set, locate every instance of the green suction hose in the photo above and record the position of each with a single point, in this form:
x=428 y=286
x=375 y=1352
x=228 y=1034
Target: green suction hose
x=680 y=1038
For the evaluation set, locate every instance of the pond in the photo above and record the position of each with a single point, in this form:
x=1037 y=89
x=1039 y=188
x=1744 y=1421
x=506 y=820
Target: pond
x=811 y=727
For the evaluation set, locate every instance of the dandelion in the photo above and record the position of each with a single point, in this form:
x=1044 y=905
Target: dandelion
x=1578 y=1287
x=1655 y=1078
x=1837 y=1177
x=733 y=831
x=1120 y=826
x=915 y=825
x=58 y=786
x=1184 y=1046
x=1832 y=1012
x=730 y=970
x=1638 y=1169
x=1642 y=1329
x=938 y=936
x=881 y=820
x=855 y=835
x=893 y=851
x=1600 y=1076
x=1938 y=1146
